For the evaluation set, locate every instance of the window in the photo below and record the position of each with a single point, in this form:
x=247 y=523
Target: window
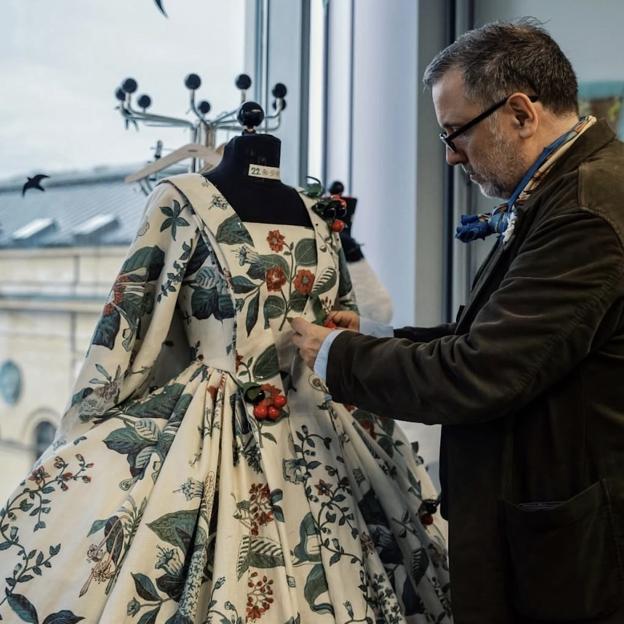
x=62 y=61
x=43 y=436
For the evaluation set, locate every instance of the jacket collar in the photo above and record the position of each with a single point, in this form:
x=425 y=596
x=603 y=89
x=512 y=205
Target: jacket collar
x=594 y=139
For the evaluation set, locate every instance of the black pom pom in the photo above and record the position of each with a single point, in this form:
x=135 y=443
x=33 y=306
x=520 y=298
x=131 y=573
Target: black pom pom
x=243 y=82
x=129 y=85
x=192 y=81
x=145 y=101
x=279 y=90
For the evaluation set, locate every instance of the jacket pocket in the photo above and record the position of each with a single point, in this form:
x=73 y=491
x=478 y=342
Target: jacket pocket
x=563 y=557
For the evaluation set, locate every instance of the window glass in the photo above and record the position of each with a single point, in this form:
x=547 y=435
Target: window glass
x=61 y=62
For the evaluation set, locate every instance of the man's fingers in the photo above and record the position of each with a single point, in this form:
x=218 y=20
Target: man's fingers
x=345 y=319
x=299 y=325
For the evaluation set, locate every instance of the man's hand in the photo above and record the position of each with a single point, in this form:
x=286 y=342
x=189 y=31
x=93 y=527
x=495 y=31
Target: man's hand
x=345 y=319
x=308 y=338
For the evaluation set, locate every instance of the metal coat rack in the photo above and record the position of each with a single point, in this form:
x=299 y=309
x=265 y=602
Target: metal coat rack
x=202 y=129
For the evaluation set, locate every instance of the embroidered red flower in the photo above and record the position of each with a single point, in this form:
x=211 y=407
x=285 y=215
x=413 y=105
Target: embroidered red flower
x=276 y=240
x=259 y=597
x=260 y=508
x=304 y=280
x=275 y=278
x=38 y=475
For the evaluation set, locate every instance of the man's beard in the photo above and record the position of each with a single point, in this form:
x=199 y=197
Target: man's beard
x=500 y=170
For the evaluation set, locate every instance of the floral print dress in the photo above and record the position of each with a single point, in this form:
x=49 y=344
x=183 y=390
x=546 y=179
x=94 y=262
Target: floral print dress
x=170 y=496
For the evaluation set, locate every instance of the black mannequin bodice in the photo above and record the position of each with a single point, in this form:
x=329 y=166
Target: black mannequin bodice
x=257 y=200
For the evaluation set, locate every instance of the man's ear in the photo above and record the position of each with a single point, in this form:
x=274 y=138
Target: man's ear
x=524 y=114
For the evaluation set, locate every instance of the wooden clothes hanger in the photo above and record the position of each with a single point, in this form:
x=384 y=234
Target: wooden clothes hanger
x=210 y=157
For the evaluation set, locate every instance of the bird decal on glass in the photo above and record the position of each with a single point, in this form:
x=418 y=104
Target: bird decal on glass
x=34 y=183
x=160 y=7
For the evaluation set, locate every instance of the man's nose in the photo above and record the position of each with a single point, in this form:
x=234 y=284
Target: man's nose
x=455 y=157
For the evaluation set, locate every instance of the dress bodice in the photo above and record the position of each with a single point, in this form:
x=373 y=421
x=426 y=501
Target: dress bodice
x=278 y=275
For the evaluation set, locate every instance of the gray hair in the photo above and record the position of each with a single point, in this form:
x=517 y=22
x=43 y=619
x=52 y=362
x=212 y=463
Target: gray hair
x=502 y=57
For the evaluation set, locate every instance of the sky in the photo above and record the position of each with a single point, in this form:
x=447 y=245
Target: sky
x=61 y=61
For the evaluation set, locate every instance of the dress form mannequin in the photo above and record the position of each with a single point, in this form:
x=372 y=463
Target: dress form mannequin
x=257 y=198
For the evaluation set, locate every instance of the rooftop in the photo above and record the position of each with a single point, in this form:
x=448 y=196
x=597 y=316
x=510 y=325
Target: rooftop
x=78 y=208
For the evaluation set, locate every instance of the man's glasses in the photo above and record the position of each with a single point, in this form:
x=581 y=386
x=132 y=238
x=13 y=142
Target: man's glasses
x=448 y=139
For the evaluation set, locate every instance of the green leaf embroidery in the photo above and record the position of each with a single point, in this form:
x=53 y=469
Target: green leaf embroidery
x=208 y=277
x=145 y=588
x=242 y=285
x=199 y=257
x=233 y=232
x=150 y=616
x=62 y=617
x=176 y=528
x=297 y=302
x=107 y=329
x=132 y=306
x=274 y=307
x=147 y=429
x=305 y=252
x=252 y=313
x=267 y=365
x=150 y=258
x=315 y=586
x=225 y=308
x=159 y=405
x=243 y=552
x=265 y=553
x=325 y=282
x=207 y=302
x=23 y=607
x=114 y=537
x=258 y=552
x=174 y=219
x=269 y=261
x=98 y=525
x=418 y=565
x=204 y=302
x=125 y=441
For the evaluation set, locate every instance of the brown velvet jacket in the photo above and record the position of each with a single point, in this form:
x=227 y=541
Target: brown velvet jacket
x=529 y=388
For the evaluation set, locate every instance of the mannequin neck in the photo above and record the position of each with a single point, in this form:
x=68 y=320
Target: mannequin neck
x=253 y=156
x=248 y=177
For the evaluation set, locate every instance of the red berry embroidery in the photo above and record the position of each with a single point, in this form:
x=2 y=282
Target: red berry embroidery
x=274 y=412
x=426 y=519
x=260 y=411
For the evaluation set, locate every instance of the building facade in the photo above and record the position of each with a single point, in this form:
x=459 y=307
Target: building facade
x=60 y=251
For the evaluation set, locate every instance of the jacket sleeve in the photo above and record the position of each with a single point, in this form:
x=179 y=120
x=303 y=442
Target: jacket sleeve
x=536 y=327
x=425 y=334
x=138 y=313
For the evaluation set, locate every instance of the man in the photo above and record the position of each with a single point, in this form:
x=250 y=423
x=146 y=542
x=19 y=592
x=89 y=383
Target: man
x=529 y=382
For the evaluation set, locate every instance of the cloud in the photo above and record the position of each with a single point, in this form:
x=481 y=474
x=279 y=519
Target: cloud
x=61 y=64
